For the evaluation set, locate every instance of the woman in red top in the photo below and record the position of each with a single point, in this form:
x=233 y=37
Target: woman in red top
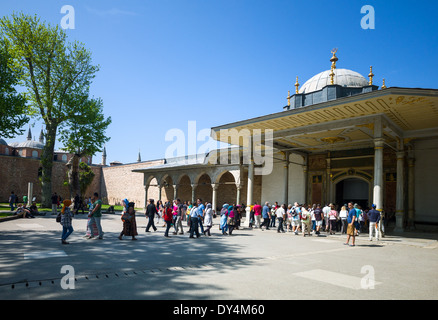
x=168 y=217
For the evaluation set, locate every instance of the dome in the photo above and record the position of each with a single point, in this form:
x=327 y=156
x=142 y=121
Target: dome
x=343 y=77
x=3 y=142
x=30 y=144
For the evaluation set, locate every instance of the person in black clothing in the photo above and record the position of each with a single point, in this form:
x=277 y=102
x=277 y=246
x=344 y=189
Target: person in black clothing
x=151 y=211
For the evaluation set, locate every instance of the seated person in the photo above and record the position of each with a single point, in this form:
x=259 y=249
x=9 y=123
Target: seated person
x=22 y=209
x=34 y=210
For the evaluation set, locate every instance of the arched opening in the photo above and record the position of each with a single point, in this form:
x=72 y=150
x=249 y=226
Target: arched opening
x=184 y=192
x=227 y=191
x=167 y=191
x=353 y=190
x=204 y=190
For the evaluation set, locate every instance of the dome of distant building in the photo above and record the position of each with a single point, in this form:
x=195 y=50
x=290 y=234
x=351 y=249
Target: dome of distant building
x=30 y=144
x=343 y=77
x=3 y=142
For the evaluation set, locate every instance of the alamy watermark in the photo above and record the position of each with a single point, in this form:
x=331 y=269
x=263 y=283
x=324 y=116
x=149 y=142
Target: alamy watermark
x=245 y=146
x=68 y=20
x=68 y=281
x=368 y=21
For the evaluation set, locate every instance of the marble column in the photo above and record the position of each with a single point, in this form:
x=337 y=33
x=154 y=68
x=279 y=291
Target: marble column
x=411 y=190
x=159 y=192
x=378 y=173
x=175 y=191
x=238 y=189
x=286 y=178
x=249 y=197
x=193 y=193
x=146 y=187
x=214 y=187
x=399 y=207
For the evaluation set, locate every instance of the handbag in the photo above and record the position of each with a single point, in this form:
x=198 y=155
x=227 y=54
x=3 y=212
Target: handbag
x=58 y=217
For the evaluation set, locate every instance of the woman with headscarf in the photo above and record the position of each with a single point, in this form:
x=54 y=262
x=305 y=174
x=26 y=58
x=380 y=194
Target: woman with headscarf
x=129 y=223
x=224 y=215
x=232 y=213
x=66 y=221
x=208 y=219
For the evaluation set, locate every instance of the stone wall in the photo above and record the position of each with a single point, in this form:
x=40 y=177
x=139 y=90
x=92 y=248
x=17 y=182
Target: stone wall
x=17 y=172
x=119 y=182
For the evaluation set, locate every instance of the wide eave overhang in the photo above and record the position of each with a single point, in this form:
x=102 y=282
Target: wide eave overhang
x=346 y=123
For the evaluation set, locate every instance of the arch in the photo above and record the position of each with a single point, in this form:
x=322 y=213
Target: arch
x=226 y=188
x=204 y=189
x=167 y=189
x=353 y=188
x=184 y=184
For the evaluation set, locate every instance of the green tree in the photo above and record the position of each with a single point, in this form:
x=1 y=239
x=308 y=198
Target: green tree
x=12 y=103
x=52 y=70
x=83 y=134
x=86 y=176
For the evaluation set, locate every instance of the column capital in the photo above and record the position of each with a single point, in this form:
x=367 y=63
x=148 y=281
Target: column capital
x=215 y=186
x=400 y=155
x=378 y=143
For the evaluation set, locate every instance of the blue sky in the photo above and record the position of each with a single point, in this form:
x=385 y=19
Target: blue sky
x=164 y=63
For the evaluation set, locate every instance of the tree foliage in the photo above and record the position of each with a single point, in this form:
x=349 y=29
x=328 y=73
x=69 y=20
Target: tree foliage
x=12 y=103
x=52 y=71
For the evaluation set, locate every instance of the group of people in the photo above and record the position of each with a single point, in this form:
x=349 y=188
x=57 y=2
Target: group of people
x=294 y=218
x=198 y=215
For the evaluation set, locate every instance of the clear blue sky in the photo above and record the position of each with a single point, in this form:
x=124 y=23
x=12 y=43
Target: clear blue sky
x=166 y=62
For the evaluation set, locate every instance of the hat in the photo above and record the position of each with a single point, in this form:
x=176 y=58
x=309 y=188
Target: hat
x=373 y=206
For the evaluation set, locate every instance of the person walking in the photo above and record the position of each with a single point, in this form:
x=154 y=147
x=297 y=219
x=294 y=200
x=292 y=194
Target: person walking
x=179 y=217
x=168 y=217
x=12 y=201
x=305 y=221
x=272 y=216
x=351 y=229
x=280 y=213
x=96 y=216
x=374 y=219
x=129 y=222
x=231 y=221
x=151 y=211
x=55 y=203
x=332 y=218
x=224 y=217
x=201 y=209
x=343 y=213
x=194 y=222
x=257 y=214
x=66 y=221
x=208 y=220
x=296 y=213
x=319 y=217
x=266 y=214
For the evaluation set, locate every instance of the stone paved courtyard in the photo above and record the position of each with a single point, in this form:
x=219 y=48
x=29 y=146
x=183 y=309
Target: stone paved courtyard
x=251 y=264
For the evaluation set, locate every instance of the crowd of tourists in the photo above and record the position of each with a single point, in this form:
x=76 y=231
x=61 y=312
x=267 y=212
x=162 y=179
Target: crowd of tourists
x=198 y=217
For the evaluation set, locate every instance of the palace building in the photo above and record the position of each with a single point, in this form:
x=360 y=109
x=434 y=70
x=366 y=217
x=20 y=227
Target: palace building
x=340 y=138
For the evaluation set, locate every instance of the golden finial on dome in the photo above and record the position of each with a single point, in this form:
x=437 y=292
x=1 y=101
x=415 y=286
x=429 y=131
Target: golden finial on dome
x=383 y=85
x=296 y=86
x=333 y=59
x=288 y=98
x=370 y=76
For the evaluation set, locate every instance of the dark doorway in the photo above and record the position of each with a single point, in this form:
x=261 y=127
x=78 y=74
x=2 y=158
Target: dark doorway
x=352 y=190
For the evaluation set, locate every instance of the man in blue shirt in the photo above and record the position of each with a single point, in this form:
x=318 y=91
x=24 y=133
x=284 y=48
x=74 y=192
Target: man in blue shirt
x=351 y=218
x=374 y=218
x=194 y=222
x=201 y=209
x=266 y=214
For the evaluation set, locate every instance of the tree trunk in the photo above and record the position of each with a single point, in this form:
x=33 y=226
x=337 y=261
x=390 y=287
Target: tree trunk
x=73 y=176
x=47 y=165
